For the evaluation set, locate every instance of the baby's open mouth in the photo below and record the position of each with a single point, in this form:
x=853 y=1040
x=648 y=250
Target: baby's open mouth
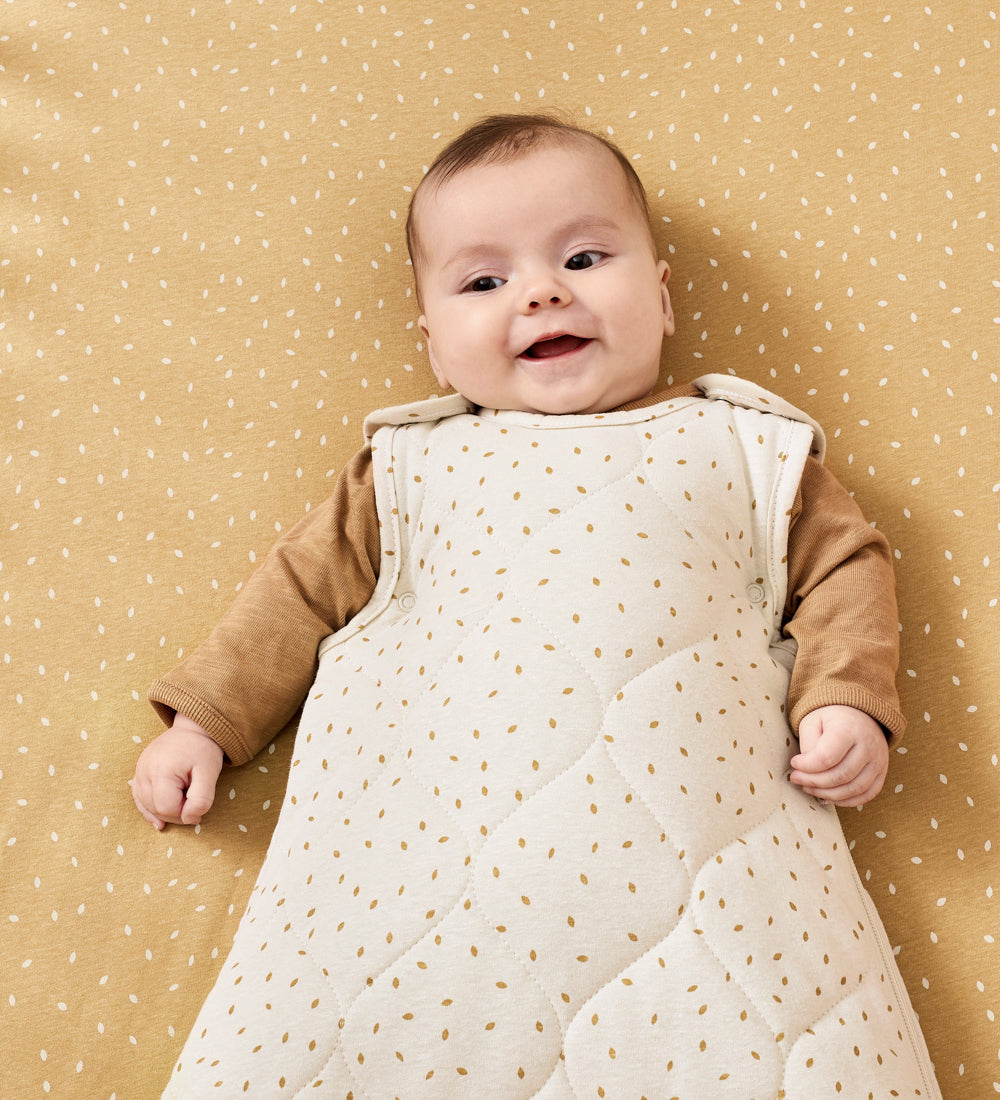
x=557 y=345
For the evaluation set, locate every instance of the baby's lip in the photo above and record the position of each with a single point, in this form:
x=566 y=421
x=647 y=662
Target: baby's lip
x=558 y=343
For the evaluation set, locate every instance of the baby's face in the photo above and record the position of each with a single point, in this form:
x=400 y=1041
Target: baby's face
x=540 y=286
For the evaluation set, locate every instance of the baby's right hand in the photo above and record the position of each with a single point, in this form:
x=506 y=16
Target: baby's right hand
x=175 y=775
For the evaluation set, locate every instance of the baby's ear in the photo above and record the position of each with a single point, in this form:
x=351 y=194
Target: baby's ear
x=438 y=372
x=668 y=310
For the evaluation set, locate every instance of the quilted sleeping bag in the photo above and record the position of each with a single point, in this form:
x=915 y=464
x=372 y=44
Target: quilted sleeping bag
x=538 y=838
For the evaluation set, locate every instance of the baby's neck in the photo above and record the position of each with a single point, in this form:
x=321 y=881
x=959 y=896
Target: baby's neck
x=667 y=393
x=678 y=389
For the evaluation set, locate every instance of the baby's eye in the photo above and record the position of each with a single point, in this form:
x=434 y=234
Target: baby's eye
x=583 y=260
x=483 y=284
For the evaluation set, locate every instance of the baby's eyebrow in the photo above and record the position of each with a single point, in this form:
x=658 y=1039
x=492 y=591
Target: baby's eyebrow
x=473 y=254
x=584 y=226
x=486 y=252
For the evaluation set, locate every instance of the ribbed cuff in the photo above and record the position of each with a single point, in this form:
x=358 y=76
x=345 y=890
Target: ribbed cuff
x=889 y=717
x=168 y=699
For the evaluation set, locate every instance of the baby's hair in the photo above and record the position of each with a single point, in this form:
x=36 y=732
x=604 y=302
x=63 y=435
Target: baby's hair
x=498 y=139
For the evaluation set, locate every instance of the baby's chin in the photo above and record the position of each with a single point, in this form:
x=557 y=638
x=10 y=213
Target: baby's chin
x=569 y=407
x=577 y=405
x=574 y=399
x=564 y=396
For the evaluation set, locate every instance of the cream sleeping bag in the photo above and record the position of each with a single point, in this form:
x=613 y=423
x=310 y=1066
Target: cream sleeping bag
x=538 y=838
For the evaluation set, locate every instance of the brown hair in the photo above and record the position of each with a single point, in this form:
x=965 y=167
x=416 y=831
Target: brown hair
x=496 y=139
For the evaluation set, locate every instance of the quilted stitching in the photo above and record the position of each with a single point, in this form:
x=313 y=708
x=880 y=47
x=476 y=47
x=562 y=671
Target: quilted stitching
x=537 y=839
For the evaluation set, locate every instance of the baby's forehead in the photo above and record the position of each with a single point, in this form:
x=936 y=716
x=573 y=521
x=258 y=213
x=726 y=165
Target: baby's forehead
x=585 y=151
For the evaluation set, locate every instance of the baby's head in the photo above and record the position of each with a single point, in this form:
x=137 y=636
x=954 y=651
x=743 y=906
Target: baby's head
x=500 y=139
x=536 y=269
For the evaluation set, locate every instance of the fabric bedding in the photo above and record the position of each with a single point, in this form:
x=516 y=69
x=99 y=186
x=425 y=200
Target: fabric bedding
x=204 y=289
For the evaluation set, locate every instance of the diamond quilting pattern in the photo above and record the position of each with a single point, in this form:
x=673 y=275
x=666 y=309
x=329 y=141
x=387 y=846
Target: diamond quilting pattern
x=456 y=1015
x=373 y=884
x=582 y=879
x=490 y=738
x=655 y=1030
x=800 y=951
x=710 y=773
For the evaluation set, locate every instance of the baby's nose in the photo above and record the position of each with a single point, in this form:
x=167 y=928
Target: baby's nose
x=545 y=292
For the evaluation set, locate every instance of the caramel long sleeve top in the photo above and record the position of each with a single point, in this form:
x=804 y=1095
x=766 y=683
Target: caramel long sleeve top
x=247 y=680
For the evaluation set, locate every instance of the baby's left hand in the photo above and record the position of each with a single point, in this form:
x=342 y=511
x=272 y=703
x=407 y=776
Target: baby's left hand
x=844 y=756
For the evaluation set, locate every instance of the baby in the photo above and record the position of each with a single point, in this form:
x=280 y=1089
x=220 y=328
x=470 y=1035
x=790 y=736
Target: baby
x=556 y=305
x=553 y=633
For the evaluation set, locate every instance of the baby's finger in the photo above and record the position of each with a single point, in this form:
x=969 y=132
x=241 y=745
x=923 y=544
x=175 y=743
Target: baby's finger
x=155 y=821
x=167 y=799
x=843 y=774
x=198 y=798
x=826 y=755
x=856 y=791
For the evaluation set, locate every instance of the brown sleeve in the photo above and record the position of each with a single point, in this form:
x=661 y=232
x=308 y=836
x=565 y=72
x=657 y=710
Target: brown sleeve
x=841 y=607
x=244 y=683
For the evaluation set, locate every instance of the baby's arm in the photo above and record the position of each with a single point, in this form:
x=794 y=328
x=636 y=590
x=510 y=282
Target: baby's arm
x=175 y=775
x=844 y=756
x=244 y=683
x=841 y=610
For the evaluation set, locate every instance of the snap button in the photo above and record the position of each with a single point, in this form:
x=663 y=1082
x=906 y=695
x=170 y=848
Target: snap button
x=755 y=593
x=407 y=601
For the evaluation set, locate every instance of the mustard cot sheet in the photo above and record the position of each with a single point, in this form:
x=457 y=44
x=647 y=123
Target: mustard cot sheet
x=204 y=287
